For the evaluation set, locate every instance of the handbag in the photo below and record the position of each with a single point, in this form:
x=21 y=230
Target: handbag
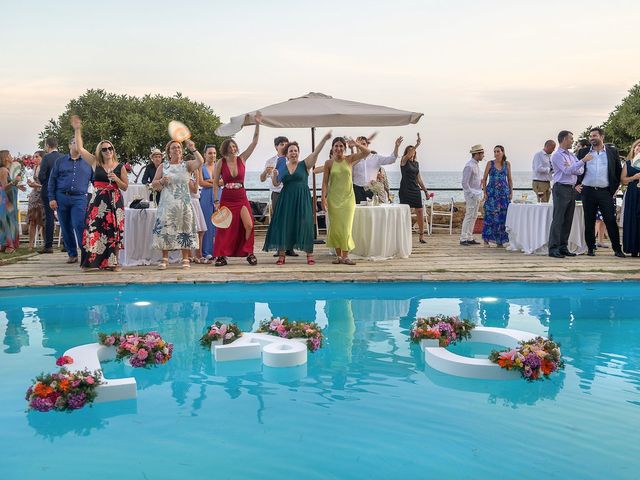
x=139 y=204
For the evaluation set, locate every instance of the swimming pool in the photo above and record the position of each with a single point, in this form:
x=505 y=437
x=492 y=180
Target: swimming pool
x=364 y=406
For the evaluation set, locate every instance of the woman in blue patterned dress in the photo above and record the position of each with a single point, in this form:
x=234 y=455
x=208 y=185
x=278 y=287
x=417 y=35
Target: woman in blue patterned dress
x=175 y=226
x=498 y=190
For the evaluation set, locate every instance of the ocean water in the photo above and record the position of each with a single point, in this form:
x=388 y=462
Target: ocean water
x=365 y=406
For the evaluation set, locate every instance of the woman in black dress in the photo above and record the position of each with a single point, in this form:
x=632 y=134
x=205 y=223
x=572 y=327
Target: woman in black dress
x=412 y=184
x=104 y=230
x=631 y=218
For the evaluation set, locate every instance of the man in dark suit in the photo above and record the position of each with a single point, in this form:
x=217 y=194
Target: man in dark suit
x=47 y=164
x=599 y=185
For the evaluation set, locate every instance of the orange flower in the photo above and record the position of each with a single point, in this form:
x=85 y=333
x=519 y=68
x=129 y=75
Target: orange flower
x=42 y=390
x=505 y=362
x=64 y=385
x=546 y=366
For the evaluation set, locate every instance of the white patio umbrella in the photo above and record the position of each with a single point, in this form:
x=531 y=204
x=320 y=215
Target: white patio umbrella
x=320 y=110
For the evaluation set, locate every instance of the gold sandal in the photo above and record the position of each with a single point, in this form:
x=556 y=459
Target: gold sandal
x=163 y=264
x=186 y=264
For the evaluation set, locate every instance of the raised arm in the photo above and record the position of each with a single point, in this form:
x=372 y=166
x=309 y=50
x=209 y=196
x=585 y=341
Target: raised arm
x=359 y=155
x=193 y=165
x=311 y=160
x=256 y=134
x=86 y=155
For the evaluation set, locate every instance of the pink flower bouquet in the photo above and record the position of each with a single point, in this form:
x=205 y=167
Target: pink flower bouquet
x=228 y=333
x=284 y=328
x=63 y=391
x=141 y=349
x=446 y=330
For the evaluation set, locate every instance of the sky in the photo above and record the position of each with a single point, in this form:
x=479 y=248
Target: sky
x=489 y=72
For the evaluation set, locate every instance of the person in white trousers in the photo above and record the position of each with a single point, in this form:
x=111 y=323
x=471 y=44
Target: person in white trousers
x=471 y=180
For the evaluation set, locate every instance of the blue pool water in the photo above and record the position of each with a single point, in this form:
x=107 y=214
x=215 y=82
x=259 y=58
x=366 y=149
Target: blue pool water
x=365 y=406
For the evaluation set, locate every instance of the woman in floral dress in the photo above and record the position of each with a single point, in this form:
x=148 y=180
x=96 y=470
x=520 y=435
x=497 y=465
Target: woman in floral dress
x=498 y=190
x=175 y=226
x=104 y=222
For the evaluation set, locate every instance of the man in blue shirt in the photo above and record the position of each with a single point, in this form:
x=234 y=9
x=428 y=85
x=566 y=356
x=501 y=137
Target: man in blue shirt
x=47 y=164
x=68 y=185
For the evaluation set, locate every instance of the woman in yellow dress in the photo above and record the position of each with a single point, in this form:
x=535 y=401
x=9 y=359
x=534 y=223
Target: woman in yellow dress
x=338 y=199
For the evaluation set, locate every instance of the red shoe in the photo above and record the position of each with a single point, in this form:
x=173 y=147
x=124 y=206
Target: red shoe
x=310 y=260
x=280 y=260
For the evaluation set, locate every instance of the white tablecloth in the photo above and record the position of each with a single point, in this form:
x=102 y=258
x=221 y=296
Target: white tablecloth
x=134 y=191
x=382 y=232
x=138 y=228
x=528 y=227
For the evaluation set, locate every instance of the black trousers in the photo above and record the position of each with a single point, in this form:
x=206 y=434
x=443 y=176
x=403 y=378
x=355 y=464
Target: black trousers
x=49 y=220
x=564 y=204
x=361 y=193
x=594 y=198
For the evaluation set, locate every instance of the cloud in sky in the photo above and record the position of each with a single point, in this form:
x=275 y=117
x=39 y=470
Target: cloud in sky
x=486 y=72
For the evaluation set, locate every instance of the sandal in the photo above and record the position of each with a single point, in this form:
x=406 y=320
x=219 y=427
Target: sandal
x=252 y=260
x=310 y=260
x=163 y=264
x=281 y=260
x=220 y=262
x=186 y=264
x=337 y=261
x=348 y=261
x=9 y=250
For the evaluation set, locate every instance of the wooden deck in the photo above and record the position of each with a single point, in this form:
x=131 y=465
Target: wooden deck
x=440 y=259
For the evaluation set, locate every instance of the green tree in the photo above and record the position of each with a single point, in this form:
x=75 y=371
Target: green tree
x=622 y=127
x=135 y=125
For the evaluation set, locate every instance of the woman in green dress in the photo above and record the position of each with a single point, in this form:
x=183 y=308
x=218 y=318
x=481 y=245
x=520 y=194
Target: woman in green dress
x=292 y=223
x=338 y=199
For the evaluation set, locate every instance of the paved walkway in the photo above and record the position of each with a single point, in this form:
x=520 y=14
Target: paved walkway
x=440 y=259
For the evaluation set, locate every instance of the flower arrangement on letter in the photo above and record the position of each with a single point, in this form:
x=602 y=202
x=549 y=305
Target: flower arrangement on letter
x=228 y=333
x=63 y=391
x=282 y=327
x=142 y=349
x=534 y=359
x=446 y=330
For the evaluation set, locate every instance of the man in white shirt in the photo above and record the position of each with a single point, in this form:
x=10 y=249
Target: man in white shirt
x=471 y=181
x=279 y=143
x=542 y=171
x=366 y=171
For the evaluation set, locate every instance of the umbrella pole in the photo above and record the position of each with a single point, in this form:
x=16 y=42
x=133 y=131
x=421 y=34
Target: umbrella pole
x=314 y=201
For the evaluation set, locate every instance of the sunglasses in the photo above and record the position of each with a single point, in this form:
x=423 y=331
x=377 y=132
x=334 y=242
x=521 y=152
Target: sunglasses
x=106 y=149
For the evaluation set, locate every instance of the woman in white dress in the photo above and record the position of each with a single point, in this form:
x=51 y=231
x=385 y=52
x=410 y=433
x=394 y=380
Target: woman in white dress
x=201 y=224
x=175 y=226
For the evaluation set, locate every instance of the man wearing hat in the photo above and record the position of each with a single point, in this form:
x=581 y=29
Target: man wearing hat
x=471 y=180
x=150 y=170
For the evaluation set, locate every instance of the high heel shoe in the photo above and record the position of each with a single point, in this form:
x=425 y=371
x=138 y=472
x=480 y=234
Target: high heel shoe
x=281 y=260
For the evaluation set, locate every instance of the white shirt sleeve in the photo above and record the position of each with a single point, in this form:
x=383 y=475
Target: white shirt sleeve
x=382 y=160
x=466 y=177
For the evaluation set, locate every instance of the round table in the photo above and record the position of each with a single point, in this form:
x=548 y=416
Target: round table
x=138 y=232
x=528 y=227
x=381 y=232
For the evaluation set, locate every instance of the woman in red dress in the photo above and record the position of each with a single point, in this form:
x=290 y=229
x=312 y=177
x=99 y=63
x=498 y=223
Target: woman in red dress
x=237 y=239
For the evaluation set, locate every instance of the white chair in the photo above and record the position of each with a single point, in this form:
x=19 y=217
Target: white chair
x=442 y=217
